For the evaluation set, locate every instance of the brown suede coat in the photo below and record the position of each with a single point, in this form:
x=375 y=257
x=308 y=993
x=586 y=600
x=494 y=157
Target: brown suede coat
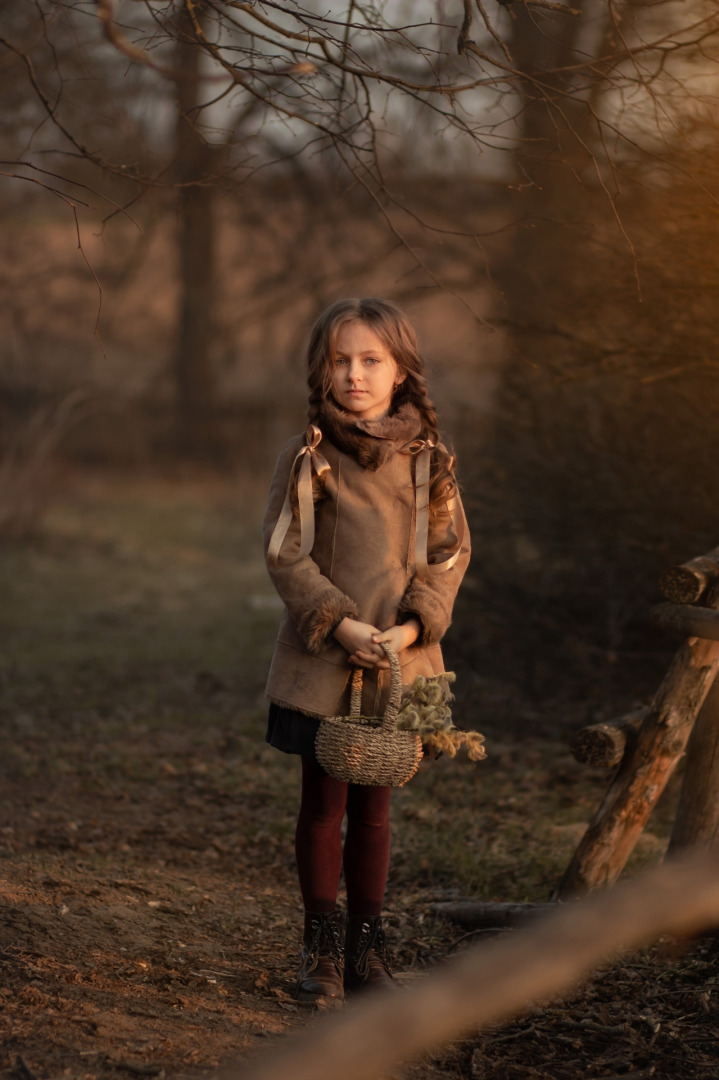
x=361 y=565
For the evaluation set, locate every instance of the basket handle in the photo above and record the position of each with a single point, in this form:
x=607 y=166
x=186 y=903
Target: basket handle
x=395 y=690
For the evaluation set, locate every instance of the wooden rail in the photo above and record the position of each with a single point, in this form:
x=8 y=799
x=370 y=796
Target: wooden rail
x=492 y=982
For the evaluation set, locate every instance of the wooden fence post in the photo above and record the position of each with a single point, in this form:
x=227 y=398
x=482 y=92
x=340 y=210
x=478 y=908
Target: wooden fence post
x=697 y=816
x=608 y=842
x=662 y=736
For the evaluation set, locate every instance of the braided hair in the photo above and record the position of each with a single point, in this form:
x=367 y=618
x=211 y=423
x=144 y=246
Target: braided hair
x=394 y=330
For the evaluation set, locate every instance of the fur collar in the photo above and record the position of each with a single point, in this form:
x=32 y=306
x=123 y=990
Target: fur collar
x=370 y=442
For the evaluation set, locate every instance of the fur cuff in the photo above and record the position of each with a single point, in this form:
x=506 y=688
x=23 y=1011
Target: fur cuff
x=420 y=601
x=317 y=624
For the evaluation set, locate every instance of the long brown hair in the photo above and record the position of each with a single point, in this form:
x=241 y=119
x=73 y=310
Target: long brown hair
x=395 y=331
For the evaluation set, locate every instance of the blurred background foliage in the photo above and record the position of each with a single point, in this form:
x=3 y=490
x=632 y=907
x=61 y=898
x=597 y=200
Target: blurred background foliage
x=185 y=185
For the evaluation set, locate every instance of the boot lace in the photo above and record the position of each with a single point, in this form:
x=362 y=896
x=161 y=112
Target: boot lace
x=371 y=945
x=326 y=940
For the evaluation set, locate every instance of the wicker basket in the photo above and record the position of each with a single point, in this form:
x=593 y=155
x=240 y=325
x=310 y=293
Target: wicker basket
x=370 y=750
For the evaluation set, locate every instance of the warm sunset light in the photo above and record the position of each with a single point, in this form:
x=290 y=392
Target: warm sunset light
x=359 y=556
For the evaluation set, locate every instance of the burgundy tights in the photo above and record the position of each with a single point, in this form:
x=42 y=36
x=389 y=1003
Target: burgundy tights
x=318 y=842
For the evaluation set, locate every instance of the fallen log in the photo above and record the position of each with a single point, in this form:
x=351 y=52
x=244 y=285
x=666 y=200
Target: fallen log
x=605 y=744
x=494 y=981
x=687 y=583
x=488 y=916
x=640 y=779
x=688 y=620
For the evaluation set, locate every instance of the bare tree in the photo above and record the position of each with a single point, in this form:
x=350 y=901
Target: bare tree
x=534 y=94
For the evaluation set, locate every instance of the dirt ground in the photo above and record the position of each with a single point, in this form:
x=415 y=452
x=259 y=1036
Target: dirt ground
x=149 y=916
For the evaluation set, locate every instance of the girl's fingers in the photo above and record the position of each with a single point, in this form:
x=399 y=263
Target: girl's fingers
x=359 y=659
x=371 y=654
x=367 y=660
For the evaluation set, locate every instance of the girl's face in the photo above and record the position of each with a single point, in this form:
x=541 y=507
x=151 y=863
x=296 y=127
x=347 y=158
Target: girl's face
x=365 y=372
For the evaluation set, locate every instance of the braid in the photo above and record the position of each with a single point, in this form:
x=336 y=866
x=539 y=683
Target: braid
x=314 y=406
x=443 y=482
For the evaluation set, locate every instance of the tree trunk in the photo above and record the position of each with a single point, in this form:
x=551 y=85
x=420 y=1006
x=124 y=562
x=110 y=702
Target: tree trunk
x=697 y=817
x=544 y=155
x=194 y=377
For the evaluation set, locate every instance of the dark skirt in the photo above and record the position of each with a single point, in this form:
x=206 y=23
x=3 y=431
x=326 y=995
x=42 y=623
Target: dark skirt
x=291 y=731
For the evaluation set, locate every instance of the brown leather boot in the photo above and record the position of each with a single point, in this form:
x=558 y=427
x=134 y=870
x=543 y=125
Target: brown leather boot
x=367 y=962
x=320 y=977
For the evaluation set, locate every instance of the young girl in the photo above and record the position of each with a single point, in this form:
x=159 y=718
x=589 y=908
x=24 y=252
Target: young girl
x=366 y=543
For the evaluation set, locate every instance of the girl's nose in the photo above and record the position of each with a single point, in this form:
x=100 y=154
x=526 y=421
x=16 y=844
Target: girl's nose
x=354 y=372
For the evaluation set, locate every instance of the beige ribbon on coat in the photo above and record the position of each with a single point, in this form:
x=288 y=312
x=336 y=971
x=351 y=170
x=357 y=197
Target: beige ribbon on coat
x=310 y=458
x=422 y=449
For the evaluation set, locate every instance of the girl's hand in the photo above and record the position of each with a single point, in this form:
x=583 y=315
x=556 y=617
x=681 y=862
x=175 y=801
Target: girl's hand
x=399 y=637
x=363 y=641
x=358 y=639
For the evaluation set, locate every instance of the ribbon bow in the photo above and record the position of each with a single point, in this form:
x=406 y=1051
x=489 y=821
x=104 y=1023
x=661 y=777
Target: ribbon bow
x=309 y=458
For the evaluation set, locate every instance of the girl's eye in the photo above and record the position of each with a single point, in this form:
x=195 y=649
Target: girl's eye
x=344 y=360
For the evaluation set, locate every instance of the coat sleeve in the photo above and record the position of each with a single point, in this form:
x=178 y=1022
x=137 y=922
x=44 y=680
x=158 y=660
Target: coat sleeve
x=315 y=605
x=431 y=600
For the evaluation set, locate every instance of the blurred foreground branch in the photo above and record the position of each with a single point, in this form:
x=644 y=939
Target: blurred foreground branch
x=492 y=982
